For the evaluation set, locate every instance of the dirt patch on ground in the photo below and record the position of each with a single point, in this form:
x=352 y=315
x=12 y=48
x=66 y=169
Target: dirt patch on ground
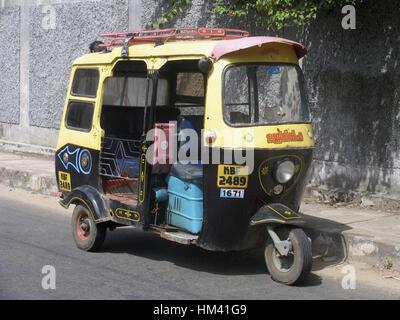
x=376 y=276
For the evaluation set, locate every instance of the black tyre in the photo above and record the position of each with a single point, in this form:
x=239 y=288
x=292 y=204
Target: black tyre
x=293 y=268
x=88 y=236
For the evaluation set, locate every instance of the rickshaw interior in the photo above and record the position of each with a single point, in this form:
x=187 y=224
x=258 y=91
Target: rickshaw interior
x=125 y=120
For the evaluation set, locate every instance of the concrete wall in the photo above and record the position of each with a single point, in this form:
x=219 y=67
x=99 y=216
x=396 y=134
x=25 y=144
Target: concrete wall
x=353 y=78
x=39 y=40
x=9 y=62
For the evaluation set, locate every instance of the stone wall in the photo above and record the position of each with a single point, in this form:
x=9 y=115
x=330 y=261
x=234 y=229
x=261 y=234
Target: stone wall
x=9 y=62
x=39 y=40
x=53 y=50
x=353 y=78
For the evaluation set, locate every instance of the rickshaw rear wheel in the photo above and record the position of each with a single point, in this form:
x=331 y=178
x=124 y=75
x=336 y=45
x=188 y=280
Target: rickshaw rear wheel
x=88 y=235
x=293 y=268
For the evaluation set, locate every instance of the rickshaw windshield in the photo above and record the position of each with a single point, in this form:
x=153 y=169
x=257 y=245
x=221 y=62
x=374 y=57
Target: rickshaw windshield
x=261 y=94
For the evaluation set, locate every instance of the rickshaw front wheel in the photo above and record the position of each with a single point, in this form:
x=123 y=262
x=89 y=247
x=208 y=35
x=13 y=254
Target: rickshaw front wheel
x=87 y=235
x=296 y=265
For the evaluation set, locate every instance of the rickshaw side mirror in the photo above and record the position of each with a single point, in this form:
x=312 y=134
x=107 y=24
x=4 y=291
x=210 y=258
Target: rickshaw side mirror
x=205 y=65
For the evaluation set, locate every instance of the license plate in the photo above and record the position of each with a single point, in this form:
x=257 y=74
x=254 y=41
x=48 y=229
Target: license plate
x=232 y=193
x=64 y=180
x=232 y=176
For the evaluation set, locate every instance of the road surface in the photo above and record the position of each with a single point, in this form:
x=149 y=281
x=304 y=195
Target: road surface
x=35 y=232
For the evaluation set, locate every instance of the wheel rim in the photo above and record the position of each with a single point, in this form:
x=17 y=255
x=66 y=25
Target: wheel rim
x=83 y=226
x=283 y=263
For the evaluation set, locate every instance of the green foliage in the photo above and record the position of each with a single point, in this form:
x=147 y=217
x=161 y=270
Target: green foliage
x=279 y=13
x=176 y=7
x=388 y=263
x=269 y=13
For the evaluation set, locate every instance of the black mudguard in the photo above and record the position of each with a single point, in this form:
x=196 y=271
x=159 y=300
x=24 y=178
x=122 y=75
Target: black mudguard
x=91 y=199
x=276 y=213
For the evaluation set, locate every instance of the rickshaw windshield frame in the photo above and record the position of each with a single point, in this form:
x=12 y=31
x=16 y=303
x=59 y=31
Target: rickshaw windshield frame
x=253 y=102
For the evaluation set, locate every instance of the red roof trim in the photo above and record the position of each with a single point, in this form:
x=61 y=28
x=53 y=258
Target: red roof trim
x=229 y=46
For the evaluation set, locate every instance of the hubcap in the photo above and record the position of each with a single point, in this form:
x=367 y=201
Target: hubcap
x=83 y=226
x=283 y=263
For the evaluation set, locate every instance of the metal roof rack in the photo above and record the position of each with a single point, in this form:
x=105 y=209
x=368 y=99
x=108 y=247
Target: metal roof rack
x=161 y=36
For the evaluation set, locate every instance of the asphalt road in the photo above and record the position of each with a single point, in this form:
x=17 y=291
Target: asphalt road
x=35 y=231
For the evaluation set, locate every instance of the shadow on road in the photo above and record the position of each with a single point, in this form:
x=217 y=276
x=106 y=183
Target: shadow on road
x=328 y=243
x=151 y=246
x=328 y=249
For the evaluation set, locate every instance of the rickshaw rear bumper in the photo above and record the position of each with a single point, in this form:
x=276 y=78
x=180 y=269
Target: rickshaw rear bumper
x=276 y=213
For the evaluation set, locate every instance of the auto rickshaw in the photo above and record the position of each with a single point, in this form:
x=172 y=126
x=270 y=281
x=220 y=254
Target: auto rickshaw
x=199 y=135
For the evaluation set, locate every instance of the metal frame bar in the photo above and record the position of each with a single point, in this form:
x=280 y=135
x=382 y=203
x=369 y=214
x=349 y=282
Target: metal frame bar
x=178 y=34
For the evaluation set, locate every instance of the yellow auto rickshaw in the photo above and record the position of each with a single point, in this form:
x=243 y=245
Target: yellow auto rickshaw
x=199 y=135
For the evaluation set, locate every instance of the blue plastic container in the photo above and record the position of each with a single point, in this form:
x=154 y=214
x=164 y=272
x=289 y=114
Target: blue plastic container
x=185 y=204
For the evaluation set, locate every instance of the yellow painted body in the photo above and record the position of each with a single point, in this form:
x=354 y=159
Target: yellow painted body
x=155 y=57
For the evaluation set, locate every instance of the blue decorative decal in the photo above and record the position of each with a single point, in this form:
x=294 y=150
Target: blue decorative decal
x=80 y=160
x=71 y=160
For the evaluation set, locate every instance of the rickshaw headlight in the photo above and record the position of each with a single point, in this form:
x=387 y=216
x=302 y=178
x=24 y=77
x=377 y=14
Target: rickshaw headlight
x=285 y=171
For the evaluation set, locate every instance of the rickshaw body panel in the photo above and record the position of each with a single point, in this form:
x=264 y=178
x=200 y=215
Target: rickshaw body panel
x=227 y=221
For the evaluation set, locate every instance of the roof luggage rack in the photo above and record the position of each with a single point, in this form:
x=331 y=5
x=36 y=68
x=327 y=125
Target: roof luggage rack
x=160 y=36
